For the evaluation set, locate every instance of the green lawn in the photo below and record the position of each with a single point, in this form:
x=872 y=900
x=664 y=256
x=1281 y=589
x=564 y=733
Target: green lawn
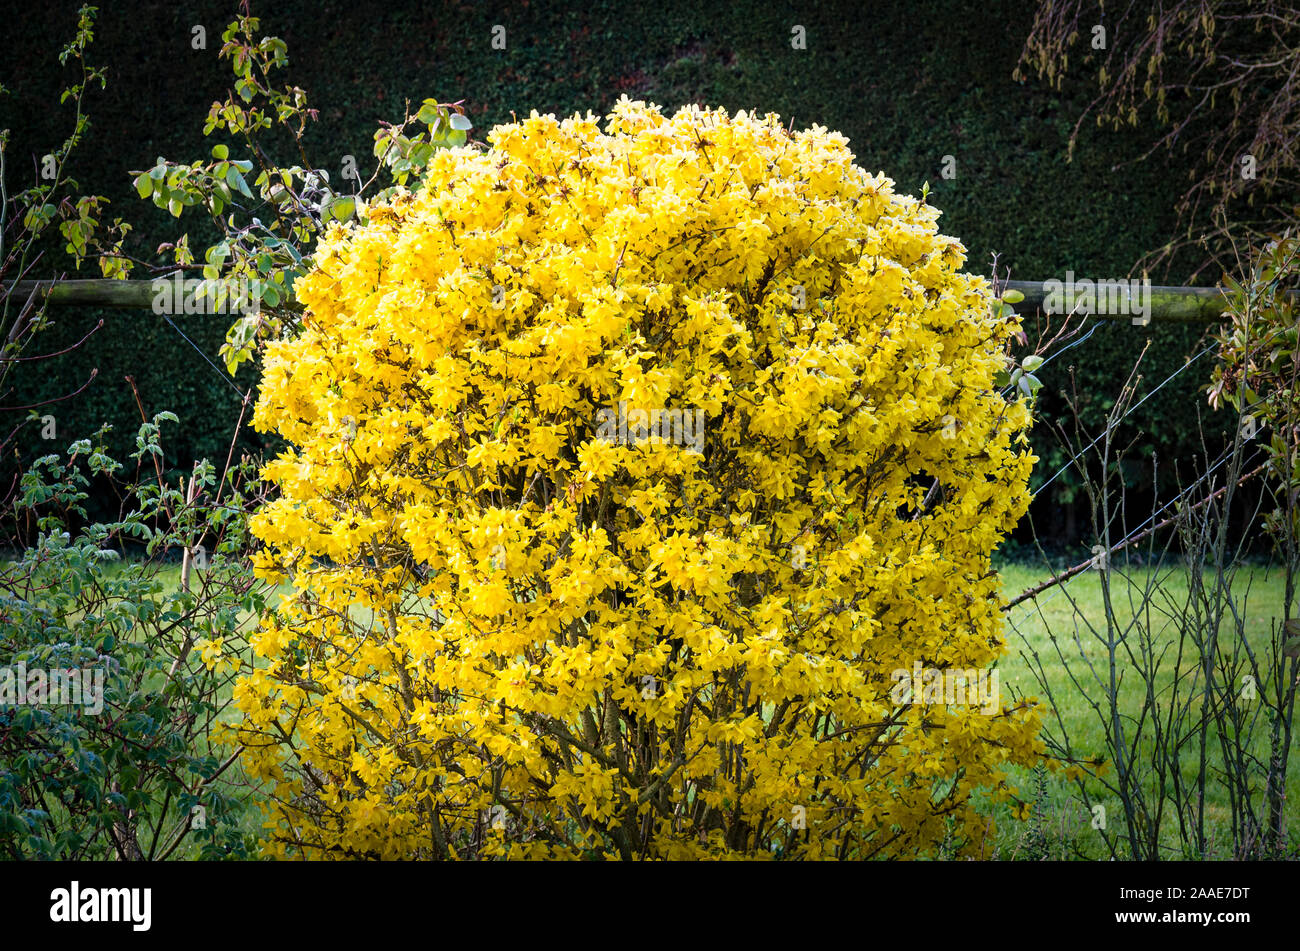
x=1079 y=656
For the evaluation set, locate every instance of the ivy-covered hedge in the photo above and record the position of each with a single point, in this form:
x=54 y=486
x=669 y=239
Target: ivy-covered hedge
x=908 y=85
x=168 y=372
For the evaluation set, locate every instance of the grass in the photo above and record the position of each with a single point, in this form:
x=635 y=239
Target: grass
x=1066 y=628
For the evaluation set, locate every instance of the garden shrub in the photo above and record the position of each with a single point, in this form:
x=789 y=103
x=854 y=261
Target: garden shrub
x=113 y=677
x=519 y=628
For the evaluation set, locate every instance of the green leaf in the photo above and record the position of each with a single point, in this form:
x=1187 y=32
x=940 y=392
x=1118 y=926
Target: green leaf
x=428 y=113
x=460 y=122
x=1031 y=362
x=342 y=208
x=143 y=185
x=236 y=181
x=1291 y=646
x=220 y=152
x=1013 y=297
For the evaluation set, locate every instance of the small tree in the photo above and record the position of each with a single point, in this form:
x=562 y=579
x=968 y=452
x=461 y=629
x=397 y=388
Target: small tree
x=641 y=499
x=1258 y=375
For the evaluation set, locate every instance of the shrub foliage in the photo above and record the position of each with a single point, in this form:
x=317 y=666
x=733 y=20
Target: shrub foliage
x=520 y=629
x=129 y=761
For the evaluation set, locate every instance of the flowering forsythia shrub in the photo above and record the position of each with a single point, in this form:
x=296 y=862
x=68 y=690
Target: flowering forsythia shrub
x=537 y=611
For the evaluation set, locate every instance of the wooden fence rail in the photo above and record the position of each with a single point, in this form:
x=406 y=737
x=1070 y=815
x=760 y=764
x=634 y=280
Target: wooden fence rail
x=1163 y=304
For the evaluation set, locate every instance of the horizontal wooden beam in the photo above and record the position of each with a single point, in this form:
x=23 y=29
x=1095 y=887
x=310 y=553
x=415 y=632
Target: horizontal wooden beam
x=1163 y=304
x=100 y=292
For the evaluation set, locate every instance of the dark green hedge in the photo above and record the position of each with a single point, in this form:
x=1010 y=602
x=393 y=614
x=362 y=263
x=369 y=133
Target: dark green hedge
x=908 y=84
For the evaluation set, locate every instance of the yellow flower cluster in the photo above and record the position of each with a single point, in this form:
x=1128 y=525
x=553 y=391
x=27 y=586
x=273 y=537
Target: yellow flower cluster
x=523 y=627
